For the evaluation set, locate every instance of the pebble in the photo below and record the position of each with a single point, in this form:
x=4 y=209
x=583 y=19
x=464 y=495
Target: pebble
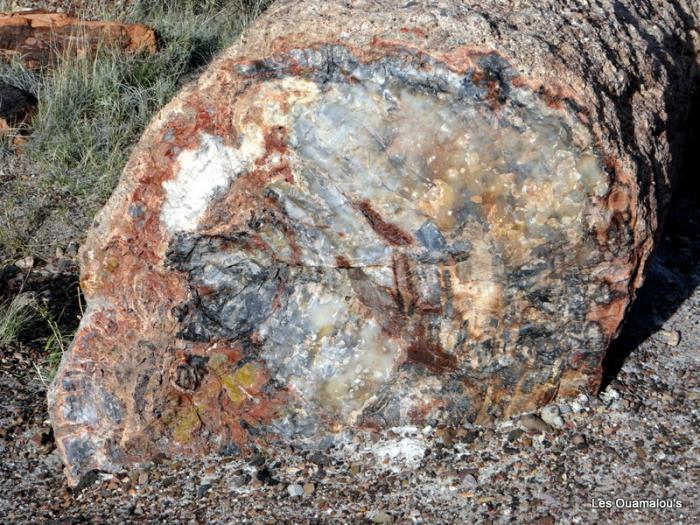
x=309 y=489
x=470 y=480
x=170 y=480
x=382 y=517
x=607 y=398
x=514 y=435
x=577 y=407
x=551 y=415
x=534 y=423
x=671 y=337
x=295 y=490
x=579 y=441
x=240 y=480
x=26 y=263
x=143 y=478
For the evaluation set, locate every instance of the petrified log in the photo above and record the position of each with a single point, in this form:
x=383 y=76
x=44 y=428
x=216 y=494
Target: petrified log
x=376 y=213
x=35 y=37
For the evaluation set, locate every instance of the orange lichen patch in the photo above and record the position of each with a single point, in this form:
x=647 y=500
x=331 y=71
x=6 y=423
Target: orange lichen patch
x=228 y=394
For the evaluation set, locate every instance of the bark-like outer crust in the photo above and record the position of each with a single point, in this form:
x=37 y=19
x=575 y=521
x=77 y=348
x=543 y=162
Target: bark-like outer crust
x=627 y=65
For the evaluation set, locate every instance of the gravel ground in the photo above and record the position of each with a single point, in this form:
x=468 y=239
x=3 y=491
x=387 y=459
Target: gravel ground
x=636 y=442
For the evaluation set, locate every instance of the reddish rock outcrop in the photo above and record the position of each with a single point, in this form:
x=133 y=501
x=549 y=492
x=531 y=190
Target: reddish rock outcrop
x=35 y=37
x=370 y=214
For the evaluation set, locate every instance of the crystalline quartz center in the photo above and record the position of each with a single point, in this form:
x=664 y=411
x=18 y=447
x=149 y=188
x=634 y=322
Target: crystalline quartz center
x=403 y=208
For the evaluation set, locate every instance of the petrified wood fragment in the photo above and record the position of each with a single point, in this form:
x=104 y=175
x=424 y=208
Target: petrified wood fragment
x=372 y=214
x=35 y=37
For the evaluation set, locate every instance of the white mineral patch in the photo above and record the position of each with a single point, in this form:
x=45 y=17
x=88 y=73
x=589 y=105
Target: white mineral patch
x=202 y=173
x=407 y=450
x=210 y=169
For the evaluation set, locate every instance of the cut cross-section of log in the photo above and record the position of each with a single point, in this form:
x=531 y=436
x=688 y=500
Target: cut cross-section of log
x=375 y=214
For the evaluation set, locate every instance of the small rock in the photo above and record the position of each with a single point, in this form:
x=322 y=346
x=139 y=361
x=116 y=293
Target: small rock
x=295 y=490
x=382 y=517
x=203 y=489
x=470 y=480
x=534 y=423
x=72 y=249
x=88 y=479
x=514 y=435
x=26 y=263
x=608 y=396
x=143 y=478
x=240 y=481
x=579 y=441
x=309 y=489
x=159 y=458
x=265 y=476
x=671 y=337
x=577 y=407
x=170 y=480
x=551 y=415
